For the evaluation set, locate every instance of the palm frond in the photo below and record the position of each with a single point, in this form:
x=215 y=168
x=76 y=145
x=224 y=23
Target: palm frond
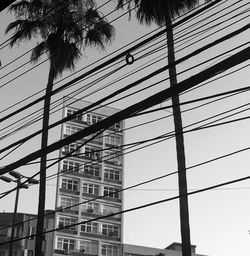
x=66 y=58
x=38 y=51
x=129 y=3
x=122 y=3
x=152 y=11
x=91 y=16
x=20 y=7
x=105 y=29
x=24 y=30
x=69 y=55
x=63 y=54
x=28 y=9
x=74 y=32
x=13 y=25
x=61 y=32
x=94 y=38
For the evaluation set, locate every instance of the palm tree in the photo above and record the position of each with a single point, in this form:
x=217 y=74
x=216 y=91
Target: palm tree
x=63 y=28
x=162 y=12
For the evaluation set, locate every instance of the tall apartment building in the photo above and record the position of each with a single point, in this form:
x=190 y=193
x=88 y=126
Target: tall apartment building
x=88 y=187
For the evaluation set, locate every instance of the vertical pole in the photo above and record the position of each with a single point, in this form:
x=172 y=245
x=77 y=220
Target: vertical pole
x=14 y=218
x=180 y=149
x=43 y=165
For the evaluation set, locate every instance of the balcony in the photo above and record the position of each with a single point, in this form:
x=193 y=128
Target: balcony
x=65 y=209
x=73 y=252
x=100 y=235
x=68 y=191
x=88 y=174
x=67 y=230
x=112 y=181
x=97 y=213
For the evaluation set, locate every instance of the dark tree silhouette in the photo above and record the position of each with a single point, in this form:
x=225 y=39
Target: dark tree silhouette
x=63 y=28
x=161 y=12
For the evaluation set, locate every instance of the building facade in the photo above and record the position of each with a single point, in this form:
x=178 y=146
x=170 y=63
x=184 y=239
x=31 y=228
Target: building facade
x=89 y=180
x=26 y=226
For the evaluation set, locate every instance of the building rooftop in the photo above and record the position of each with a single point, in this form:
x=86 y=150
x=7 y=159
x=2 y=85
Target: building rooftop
x=173 y=249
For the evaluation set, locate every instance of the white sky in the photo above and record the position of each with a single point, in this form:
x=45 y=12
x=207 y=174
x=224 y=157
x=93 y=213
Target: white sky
x=219 y=219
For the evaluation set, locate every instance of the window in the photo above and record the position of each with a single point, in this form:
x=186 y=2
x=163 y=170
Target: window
x=32 y=232
x=97 y=139
x=93 y=153
x=90 y=188
x=111 y=174
x=71 y=166
x=93 y=119
x=70 y=184
x=89 y=247
x=30 y=253
x=113 y=157
x=71 y=112
x=91 y=207
x=116 y=127
x=69 y=129
x=91 y=227
x=66 y=221
x=113 y=139
x=72 y=147
x=69 y=202
x=111 y=192
x=18 y=231
x=109 y=209
x=92 y=139
x=65 y=244
x=110 y=230
x=110 y=250
x=3 y=231
x=93 y=170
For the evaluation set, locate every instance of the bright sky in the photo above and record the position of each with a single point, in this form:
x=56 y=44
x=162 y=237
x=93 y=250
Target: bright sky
x=219 y=218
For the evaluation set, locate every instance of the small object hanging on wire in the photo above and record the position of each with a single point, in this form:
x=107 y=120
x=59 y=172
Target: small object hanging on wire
x=130 y=59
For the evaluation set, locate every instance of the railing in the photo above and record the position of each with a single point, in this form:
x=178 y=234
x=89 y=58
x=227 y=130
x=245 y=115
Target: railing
x=73 y=252
x=103 y=213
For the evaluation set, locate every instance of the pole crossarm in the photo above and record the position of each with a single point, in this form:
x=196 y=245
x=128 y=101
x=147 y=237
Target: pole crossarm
x=157 y=98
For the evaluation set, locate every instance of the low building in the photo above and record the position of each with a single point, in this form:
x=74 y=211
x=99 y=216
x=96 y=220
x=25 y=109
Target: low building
x=173 y=249
x=25 y=226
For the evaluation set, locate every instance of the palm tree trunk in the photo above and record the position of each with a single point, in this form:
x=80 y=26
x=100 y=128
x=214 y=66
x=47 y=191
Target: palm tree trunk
x=42 y=185
x=181 y=162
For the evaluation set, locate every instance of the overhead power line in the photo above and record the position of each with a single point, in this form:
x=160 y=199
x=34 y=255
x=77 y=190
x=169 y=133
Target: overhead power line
x=42 y=18
x=136 y=208
x=179 y=50
x=148 y=181
x=143 y=79
x=161 y=138
x=225 y=95
x=124 y=53
x=232 y=61
x=122 y=48
x=26 y=124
